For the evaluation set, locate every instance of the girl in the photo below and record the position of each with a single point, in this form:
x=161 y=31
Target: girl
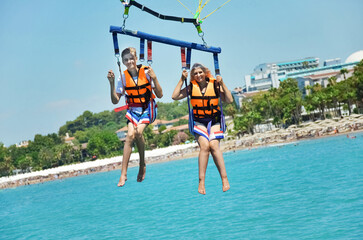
x=205 y=91
x=137 y=83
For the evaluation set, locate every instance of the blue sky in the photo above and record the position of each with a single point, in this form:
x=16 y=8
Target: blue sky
x=54 y=55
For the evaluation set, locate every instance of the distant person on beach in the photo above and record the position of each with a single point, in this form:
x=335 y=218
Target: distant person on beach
x=205 y=90
x=137 y=83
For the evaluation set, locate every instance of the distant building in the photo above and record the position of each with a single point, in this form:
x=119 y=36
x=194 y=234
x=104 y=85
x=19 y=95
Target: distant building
x=306 y=71
x=268 y=75
x=121 y=133
x=239 y=96
x=68 y=139
x=22 y=144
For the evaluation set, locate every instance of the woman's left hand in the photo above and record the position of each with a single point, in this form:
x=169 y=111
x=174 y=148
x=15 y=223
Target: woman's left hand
x=219 y=79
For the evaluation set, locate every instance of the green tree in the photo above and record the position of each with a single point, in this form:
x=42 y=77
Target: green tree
x=358 y=80
x=161 y=128
x=47 y=158
x=66 y=154
x=6 y=163
x=249 y=117
x=247 y=121
x=290 y=98
x=104 y=144
x=6 y=166
x=332 y=94
x=344 y=71
x=174 y=110
x=167 y=138
x=230 y=110
x=25 y=163
x=149 y=136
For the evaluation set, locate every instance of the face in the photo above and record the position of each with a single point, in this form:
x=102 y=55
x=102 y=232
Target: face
x=129 y=60
x=199 y=75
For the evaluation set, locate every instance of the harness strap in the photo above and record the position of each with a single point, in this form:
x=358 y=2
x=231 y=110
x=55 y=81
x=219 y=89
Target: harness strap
x=216 y=67
x=186 y=65
x=138 y=87
x=183 y=61
x=189 y=56
x=115 y=44
x=142 y=49
x=201 y=97
x=149 y=52
x=216 y=64
x=119 y=109
x=210 y=108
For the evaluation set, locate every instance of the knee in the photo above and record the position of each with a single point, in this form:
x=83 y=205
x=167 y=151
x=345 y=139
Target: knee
x=138 y=135
x=214 y=146
x=205 y=147
x=130 y=136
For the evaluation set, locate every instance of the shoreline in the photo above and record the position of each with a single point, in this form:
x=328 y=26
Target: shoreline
x=184 y=151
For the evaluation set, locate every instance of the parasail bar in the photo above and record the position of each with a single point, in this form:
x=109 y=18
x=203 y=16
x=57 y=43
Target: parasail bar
x=165 y=40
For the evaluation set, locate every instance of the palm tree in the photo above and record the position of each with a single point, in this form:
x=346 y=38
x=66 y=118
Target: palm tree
x=344 y=71
x=332 y=81
x=305 y=64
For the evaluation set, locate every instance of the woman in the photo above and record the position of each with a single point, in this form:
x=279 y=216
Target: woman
x=205 y=91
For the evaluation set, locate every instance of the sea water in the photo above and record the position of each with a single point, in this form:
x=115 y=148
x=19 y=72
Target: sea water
x=304 y=190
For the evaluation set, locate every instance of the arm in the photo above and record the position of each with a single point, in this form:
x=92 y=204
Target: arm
x=158 y=90
x=115 y=97
x=226 y=95
x=178 y=92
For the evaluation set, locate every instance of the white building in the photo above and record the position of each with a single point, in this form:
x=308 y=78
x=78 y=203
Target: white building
x=268 y=75
x=306 y=71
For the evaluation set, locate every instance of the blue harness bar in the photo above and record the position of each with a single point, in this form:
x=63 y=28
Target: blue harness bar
x=165 y=40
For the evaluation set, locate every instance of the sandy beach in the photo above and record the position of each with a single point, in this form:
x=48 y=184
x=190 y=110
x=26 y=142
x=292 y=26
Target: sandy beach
x=308 y=130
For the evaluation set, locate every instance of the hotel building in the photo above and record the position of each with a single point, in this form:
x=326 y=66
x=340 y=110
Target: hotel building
x=306 y=71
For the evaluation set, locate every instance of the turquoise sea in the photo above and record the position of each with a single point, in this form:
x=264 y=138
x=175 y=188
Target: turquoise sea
x=307 y=190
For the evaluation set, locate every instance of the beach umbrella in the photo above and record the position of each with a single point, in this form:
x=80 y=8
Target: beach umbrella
x=305 y=124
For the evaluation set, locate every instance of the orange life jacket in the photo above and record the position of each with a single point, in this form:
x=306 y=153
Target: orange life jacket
x=138 y=95
x=204 y=105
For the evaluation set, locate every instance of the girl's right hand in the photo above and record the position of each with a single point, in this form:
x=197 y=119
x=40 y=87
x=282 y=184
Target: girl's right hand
x=184 y=74
x=111 y=76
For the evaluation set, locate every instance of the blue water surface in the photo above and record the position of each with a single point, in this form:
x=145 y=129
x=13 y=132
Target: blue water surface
x=305 y=190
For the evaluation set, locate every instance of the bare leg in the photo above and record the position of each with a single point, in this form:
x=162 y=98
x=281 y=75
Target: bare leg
x=127 y=153
x=202 y=162
x=140 y=142
x=219 y=162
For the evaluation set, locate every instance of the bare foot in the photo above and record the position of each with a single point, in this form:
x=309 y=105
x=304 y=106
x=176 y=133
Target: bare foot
x=201 y=188
x=225 y=184
x=142 y=172
x=122 y=181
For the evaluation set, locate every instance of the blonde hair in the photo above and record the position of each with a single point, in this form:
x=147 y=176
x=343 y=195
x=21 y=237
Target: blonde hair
x=128 y=51
x=204 y=69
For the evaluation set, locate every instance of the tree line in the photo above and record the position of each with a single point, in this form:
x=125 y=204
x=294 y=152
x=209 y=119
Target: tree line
x=283 y=106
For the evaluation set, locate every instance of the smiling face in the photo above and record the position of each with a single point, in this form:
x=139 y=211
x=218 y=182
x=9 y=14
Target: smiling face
x=199 y=75
x=129 y=60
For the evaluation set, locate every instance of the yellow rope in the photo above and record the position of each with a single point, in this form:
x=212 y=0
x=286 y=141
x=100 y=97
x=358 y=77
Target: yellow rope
x=216 y=9
x=207 y=1
x=199 y=5
x=185 y=7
